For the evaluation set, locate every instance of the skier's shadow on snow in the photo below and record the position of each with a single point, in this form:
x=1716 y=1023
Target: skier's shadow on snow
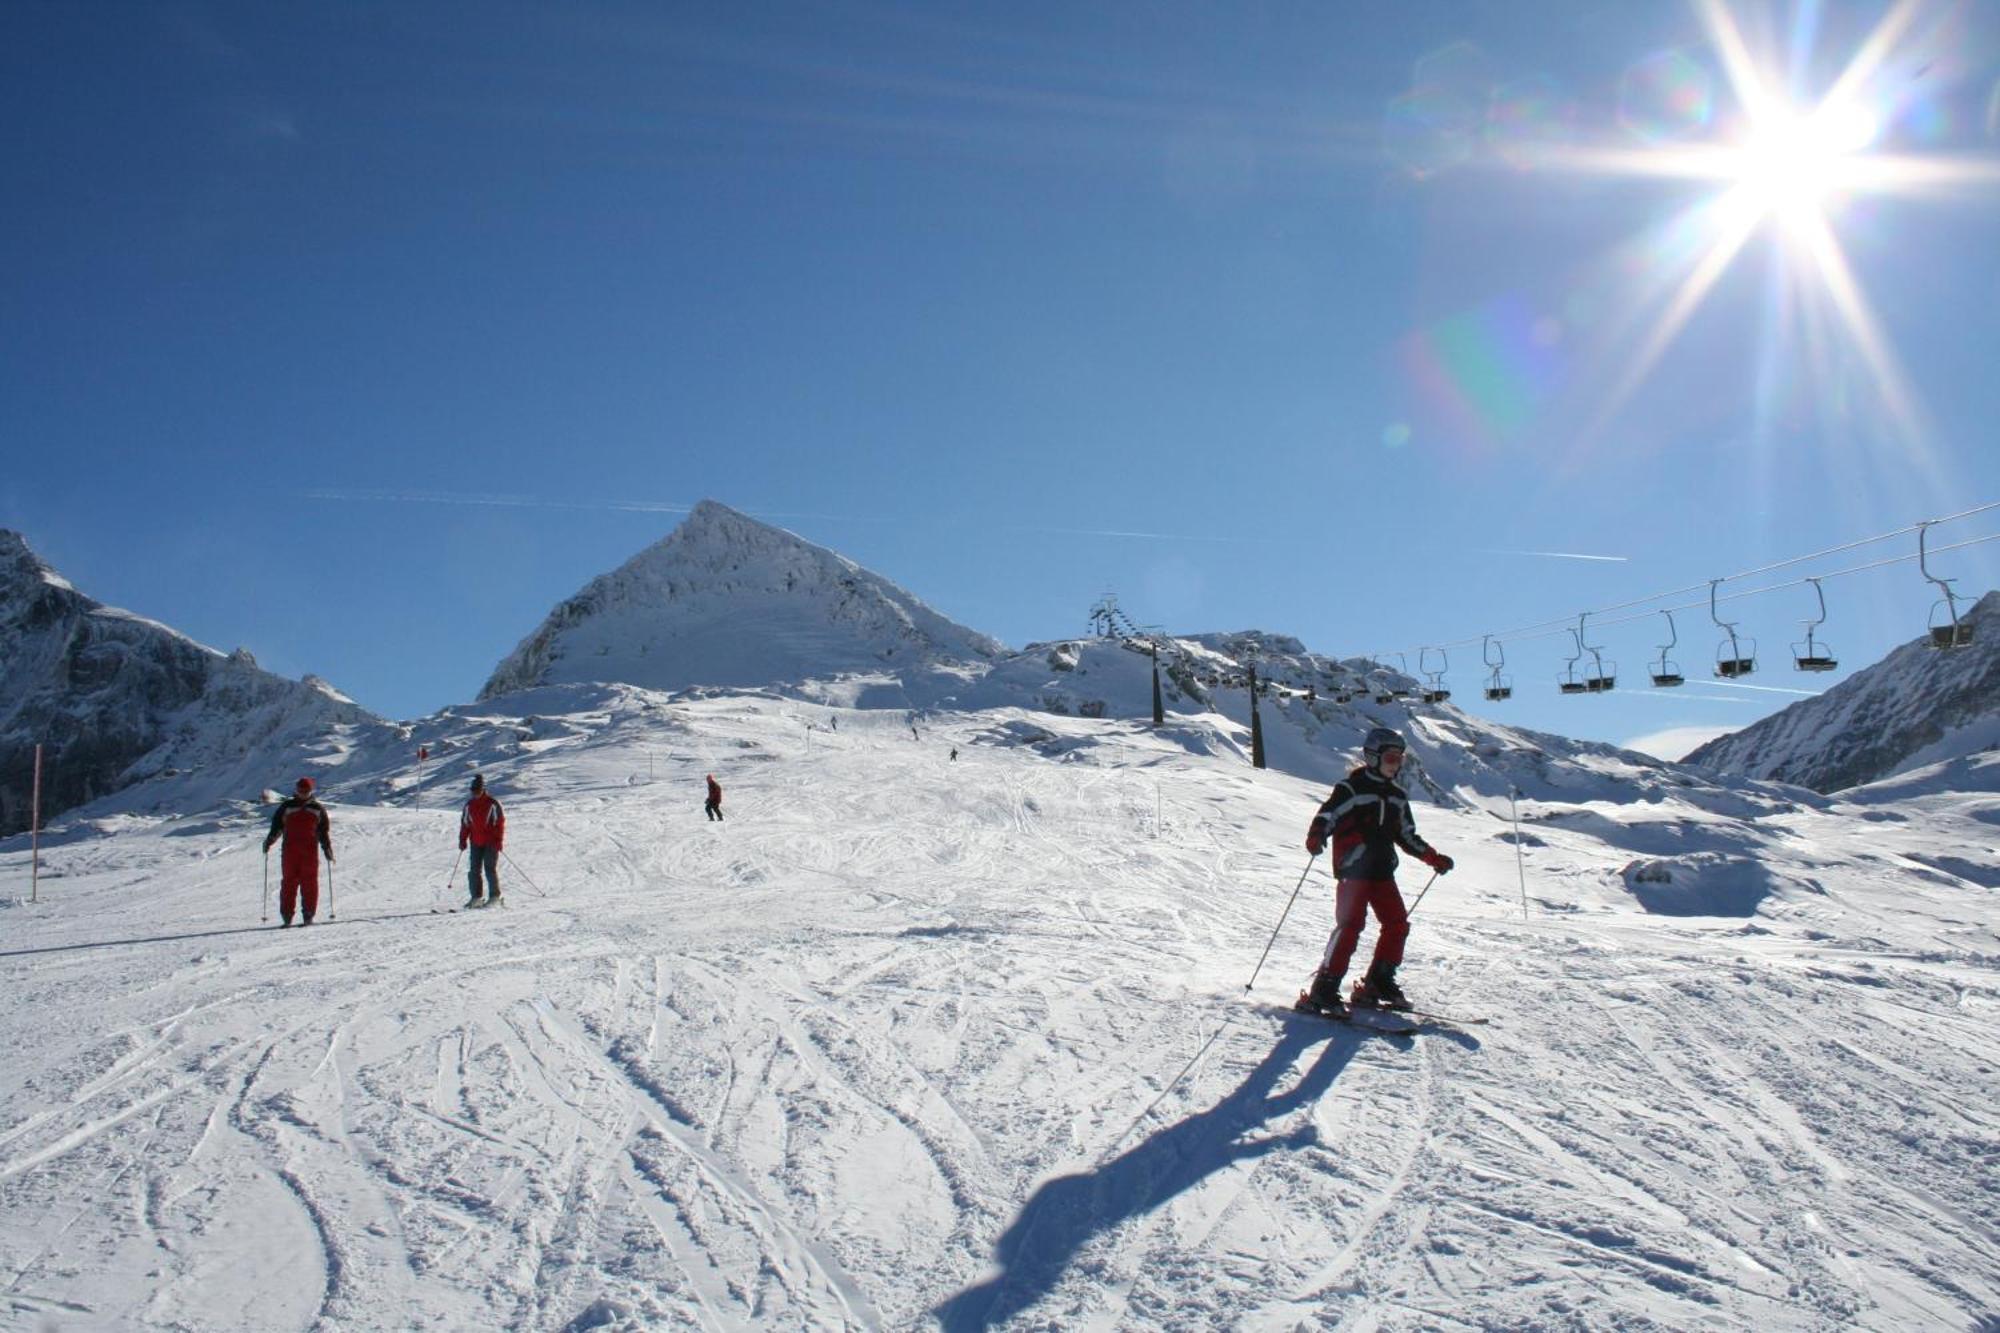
x=1064 y=1214
x=202 y=934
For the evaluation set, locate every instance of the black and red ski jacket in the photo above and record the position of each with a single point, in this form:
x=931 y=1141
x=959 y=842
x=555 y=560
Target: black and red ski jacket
x=1366 y=818
x=301 y=821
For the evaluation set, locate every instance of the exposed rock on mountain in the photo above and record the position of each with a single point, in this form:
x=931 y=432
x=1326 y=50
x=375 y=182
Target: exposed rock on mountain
x=115 y=699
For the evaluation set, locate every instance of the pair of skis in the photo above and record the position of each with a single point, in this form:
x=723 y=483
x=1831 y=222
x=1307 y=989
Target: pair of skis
x=1412 y=1021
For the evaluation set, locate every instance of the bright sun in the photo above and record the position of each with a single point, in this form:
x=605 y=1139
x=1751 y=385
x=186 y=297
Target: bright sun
x=1793 y=166
x=1790 y=163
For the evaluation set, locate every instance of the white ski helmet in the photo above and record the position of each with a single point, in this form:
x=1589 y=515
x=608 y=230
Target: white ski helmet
x=1378 y=740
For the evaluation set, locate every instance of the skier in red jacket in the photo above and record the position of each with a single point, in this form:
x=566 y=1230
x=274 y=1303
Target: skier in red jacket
x=483 y=826
x=1366 y=818
x=302 y=822
x=714 y=805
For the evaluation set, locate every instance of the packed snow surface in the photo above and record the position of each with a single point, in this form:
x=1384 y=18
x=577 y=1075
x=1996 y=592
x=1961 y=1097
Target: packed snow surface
x=916 y=1042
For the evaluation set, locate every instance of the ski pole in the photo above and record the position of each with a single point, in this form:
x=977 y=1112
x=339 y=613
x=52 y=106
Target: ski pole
x=516 y=867
x=330 y=913
x=1281 y=922
x=264 y=910
x=1420 y=897
x=451 y=880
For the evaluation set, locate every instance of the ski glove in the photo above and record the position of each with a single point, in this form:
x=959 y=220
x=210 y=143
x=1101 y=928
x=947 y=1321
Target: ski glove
x=1439 y=862
x=1316 y=837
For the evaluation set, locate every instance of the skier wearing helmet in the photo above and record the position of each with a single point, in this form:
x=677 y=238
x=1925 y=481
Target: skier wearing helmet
x=1365 y=819
x=302 y=822
x=482 y=825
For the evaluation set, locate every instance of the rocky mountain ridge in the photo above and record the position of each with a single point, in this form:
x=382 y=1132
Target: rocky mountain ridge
x=116 y=699
x=1918 y=706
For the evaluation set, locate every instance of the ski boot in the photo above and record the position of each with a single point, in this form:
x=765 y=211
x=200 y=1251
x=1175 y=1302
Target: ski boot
x=1378 y=989
x=475 y=901
x=493 y=900
x=1323 y=998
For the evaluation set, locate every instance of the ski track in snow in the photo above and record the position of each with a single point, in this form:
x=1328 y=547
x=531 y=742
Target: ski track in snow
x=906 y=1044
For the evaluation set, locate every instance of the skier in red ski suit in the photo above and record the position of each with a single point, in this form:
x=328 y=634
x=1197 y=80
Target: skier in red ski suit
x=302 y=822
x=1366 y=818
x=482 y=825
x=714 y=805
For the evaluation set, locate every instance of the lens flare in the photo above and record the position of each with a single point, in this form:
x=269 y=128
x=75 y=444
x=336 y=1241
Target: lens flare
x=1779 y=165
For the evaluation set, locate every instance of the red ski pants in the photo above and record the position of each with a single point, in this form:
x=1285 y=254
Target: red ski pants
x=1351 y=900
x=299 y=874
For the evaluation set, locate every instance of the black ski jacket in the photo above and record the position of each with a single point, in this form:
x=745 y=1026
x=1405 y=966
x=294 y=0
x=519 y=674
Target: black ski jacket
x=1365 y=819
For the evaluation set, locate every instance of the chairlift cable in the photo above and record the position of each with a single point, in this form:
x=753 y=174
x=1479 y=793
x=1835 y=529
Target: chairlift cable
x=1546 y=629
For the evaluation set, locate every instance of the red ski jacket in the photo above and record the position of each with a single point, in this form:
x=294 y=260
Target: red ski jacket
x=483 y=823
x=714 y=792
x=301 y=822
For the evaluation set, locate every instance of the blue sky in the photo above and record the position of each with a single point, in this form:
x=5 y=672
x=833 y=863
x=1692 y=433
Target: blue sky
x=1307 y=318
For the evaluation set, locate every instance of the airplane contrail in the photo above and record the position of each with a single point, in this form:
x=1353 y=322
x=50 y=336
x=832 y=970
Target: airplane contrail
x=506 y=501
x=667 y=507
x=1768 y=689
x=1565 y=555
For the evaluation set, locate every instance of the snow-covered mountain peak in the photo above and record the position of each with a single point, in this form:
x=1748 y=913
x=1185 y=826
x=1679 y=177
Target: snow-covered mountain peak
x=24 y=575
x=1916 y=707
x=726 y=601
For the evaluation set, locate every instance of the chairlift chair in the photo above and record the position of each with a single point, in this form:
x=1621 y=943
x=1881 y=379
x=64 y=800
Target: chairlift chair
x=1666 y=672
x=1947 y=631
x=1734 y=656
x=1434 y=690
x=1812 y=655
x=1569 y=682
x=1498 y=687
x=1602 y=678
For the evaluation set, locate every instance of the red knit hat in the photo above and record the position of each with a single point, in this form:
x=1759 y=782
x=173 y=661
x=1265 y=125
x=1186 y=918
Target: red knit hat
x=305 y=784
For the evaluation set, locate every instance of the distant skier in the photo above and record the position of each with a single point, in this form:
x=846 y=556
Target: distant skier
x=1366 y=818
x=302 y=822
x=714 y=805
x=954 y=754
x=482 y=826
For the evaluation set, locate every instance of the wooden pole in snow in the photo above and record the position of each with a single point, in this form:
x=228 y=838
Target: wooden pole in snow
x=1520 y=866
x=35 y=833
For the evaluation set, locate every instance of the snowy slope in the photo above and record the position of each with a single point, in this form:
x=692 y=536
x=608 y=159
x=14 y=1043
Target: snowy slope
x=911 y=1042
x=1916 y=707
x=116 y=699
x=726 y=601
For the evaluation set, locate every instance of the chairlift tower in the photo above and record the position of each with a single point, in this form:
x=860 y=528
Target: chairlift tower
x=1104 y=616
